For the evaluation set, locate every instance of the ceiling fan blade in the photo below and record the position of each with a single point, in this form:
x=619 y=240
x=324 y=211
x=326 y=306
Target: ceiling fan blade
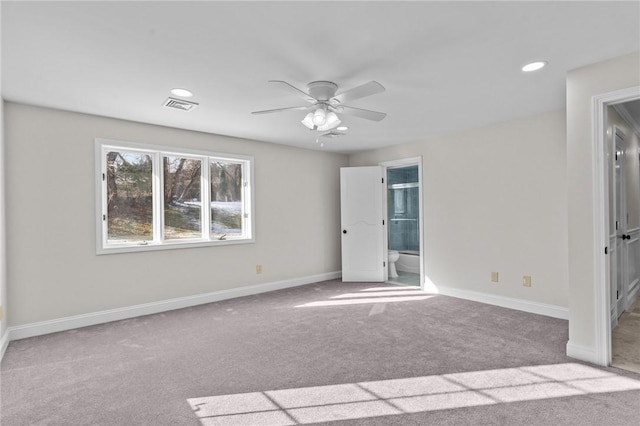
x=307 y=97
x=367 y=89
x=268 y=111
x=362 y=113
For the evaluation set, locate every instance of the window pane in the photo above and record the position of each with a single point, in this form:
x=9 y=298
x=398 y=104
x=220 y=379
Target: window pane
x=182 y=198
x=129 y=196
x=226 y=199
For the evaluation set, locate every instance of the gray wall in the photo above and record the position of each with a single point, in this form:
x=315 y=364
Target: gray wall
x=53 y=270
x=582 y=84
x=494 y=200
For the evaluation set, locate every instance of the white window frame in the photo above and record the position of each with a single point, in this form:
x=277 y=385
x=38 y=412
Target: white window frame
x=157 y=152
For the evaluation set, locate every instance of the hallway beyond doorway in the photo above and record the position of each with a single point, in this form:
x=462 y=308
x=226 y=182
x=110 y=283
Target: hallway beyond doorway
x=626 y=340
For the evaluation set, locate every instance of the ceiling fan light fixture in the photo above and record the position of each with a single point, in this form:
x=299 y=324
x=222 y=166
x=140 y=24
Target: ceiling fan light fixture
x=331 y=122
x=327 y=126
x=308 y=121
x=319 y=117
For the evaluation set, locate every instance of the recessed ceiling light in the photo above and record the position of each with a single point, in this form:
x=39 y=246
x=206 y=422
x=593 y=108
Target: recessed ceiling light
x=183 y=93
x=342 y=128
x=534 y=66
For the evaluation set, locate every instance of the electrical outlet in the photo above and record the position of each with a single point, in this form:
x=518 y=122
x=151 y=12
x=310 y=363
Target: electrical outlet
x=494 y=277
x=258 y=269
x=526 y=280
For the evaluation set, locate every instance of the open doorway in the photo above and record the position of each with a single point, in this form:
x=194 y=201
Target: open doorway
x=623 y=147
x=403 y=215
x=607 y=304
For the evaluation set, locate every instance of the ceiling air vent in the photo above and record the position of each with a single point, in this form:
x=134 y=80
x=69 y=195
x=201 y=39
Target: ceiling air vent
x=179 y=104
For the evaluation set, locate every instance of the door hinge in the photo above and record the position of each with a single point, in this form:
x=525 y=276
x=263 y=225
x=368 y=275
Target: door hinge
x=384 y=264
x=382 y=222
x=103 y=177
x=104 y=217
x=382 y=180
x=606 y=250
x=616 y=225
x=617 y=294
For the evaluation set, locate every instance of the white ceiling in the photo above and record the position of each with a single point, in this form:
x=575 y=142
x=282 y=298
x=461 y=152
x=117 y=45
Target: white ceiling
x=446 y=66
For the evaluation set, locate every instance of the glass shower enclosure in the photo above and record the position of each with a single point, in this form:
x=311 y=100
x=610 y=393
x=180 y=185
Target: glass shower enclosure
x=403 y=209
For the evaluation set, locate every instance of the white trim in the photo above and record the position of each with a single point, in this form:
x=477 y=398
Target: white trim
x=507 y=302
x=84 y=320
x=582 y=353
x=4 y=342
x=602 y=320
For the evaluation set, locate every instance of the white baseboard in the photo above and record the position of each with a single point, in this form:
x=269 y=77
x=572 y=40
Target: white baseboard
x=4 y=342
x=84 y=320
x=507 y=302
x=582 y=353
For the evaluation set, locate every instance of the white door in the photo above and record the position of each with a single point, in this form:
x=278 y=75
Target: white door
x=619 y=273
x=362 y=228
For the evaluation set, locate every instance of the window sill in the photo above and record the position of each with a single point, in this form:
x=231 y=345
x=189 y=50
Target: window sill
x=132 y=248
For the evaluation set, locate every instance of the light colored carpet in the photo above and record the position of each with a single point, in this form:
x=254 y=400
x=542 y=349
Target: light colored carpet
x=332 y=352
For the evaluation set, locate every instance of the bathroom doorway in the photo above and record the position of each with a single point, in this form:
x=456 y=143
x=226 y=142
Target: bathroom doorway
x=403 y=215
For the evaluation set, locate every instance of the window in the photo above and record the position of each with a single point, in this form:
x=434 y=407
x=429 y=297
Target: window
x=152 y=197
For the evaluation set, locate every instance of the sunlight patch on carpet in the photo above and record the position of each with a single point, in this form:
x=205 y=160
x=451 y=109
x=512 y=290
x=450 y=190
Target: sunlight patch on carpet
x=372 y=296
x=408 y=395
x=363 y=301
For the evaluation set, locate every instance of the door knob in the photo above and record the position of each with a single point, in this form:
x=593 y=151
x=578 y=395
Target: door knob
x=626 y=237
x=344 y=231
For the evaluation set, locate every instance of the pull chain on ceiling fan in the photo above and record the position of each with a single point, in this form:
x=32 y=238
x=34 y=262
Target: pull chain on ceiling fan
x=325 y=105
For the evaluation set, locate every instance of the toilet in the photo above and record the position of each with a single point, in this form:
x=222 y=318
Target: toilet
x=393 y=258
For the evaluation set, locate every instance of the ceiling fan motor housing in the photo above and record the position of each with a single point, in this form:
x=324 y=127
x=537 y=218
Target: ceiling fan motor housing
x=322 y=90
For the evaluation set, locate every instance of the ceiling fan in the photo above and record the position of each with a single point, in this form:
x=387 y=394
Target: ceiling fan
x=325 y=105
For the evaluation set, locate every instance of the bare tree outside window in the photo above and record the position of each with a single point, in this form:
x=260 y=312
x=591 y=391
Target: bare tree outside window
x=154 y=198
x=182 y=198
x=129 y=196
x=226 y=199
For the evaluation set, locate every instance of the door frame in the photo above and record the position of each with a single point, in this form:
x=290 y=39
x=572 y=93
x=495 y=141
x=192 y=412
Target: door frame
x=404 y=162
x=601 y=262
